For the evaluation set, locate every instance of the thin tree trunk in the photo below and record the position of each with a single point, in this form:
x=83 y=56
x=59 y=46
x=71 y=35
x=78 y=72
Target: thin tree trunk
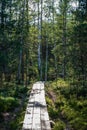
x=19 y=67
x=22 y=69
x=64 y=40
x=46 y=68
x=41 y=39
x=39 y=43
x=21 y=59
x=55 y=59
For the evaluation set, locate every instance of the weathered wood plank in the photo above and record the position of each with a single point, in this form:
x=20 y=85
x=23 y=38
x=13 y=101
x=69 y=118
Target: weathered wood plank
x=36 y=116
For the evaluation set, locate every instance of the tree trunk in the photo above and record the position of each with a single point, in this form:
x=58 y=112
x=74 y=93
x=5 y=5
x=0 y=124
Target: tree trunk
x=64 y=40
x=19 y=68
x=22 y=68
x=46 y=68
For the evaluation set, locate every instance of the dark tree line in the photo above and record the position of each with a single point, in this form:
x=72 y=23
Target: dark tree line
x=43 y=40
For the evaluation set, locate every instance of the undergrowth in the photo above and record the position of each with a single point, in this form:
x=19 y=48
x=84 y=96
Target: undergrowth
x=69 y=111
x=13 y=101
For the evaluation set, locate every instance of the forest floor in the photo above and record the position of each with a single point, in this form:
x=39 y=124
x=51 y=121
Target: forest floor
x=67 y=108
x=13 y=101
x=67 y=105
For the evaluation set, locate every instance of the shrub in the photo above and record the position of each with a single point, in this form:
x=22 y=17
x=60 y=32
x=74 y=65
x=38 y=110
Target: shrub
x=79 y=124
x=20 y=90
x=8 y=103
x=68 y=113
x=17 y=123
x=53 y=113
x=49 y=102
x=60 y=125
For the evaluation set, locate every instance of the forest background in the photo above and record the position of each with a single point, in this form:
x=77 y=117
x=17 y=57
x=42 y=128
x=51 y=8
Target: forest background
x=44 y=40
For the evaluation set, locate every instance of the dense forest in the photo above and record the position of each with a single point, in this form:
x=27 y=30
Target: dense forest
x=44 y=40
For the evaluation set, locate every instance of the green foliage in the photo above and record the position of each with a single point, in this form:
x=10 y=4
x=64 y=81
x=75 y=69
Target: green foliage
x=64 y=36
x=60 y=83
x=79 y=123
x=53 y=113
x=49 y=102
x=20 y=90
x=68 y=112
x=13 y=100
x=8 y=104
x=60 y=101
x=16 y=124
x=59 y=125
x=69 y=109
x=8 y=89
x=81 y=12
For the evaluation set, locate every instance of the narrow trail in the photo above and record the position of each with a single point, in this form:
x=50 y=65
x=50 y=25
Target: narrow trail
x=36 y=116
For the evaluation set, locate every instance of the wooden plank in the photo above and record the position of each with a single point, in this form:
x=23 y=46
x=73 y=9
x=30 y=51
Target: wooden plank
x=36 y=119
x=45 y=124
x=36 y=116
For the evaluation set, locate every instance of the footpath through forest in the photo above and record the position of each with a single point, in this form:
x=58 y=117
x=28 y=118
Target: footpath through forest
x=36 y=116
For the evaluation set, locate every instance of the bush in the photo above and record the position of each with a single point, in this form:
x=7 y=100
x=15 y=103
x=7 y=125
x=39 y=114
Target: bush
x=60 y=101
x=51 y=109
x=68 y=112
x=20 y=90
x=8 y=103
x=49 y=102
x=17 y=123
x=60 y=125
x=53 y=113
x=79 y=124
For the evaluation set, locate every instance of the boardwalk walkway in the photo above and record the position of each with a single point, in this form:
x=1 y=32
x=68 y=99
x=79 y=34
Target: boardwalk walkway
x=36 y=116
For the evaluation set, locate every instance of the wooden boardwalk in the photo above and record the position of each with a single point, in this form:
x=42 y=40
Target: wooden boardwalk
x=36 y=116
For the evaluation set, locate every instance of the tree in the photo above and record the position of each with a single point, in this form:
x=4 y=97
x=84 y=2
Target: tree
x=81 y=40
